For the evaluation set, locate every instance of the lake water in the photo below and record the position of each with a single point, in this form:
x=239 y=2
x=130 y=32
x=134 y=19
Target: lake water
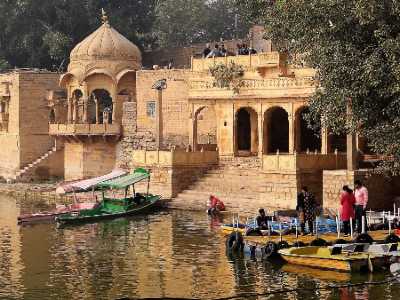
x=166 y=254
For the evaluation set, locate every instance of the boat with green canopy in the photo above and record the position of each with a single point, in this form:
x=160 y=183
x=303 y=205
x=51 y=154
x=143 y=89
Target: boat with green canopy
x=112 y=206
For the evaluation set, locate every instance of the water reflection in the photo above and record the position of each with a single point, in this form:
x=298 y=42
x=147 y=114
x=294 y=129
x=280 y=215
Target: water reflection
x=167 y=254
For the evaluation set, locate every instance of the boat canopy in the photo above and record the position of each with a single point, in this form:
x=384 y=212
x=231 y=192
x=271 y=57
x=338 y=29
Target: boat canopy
x=88 y=184
x=125 y=181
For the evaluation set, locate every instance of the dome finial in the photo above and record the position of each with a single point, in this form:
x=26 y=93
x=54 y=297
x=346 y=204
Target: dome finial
x=104 y=17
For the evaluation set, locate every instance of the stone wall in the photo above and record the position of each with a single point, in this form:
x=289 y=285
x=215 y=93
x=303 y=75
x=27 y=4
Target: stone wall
x=382 y=190
x=175 y=111
x=84 y=160
x=27 y=136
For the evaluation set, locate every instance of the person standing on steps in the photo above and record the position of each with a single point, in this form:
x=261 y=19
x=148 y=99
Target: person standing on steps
x=347 y=201
x=361 y=195
x=306 y=210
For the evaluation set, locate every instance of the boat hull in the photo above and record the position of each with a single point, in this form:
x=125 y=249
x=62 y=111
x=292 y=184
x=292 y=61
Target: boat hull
x=78 y=219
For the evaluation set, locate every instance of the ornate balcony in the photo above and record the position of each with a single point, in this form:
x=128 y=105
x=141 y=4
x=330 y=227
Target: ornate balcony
x=85 y=129
x=248 y=62
x=265 y=88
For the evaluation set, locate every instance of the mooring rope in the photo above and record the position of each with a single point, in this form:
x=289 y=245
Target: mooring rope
x=283 y=291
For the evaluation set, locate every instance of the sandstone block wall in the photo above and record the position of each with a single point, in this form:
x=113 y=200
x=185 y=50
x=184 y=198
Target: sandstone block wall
x=175 y=111
x=84 y=160
x=27 y=136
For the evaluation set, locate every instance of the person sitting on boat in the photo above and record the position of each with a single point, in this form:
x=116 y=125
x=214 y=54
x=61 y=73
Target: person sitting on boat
x=347 y=201
x=306 y=209
x=138 y=199
x=262 y=219
x=215 y=205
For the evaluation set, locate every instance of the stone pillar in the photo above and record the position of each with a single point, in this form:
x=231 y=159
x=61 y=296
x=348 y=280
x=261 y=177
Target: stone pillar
x=292 y=135
x=194 y=136
x=114 y=103
x=85 y=110
x=352 y=155
x=260 y=135
x=324 y=141
x=69 y=116
x=75 y=110
x=97 y=110
x=159 y=120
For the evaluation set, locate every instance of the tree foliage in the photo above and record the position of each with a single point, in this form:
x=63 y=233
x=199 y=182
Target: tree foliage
x=42 y=35
x=183 y=22
x=355 y=47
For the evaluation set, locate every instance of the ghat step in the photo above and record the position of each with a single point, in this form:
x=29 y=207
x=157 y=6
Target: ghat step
x=243 y=190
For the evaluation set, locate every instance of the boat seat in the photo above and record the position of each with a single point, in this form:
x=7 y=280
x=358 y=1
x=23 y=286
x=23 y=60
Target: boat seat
x=336 y=250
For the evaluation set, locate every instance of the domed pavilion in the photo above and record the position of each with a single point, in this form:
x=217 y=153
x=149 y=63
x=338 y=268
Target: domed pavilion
x=100 y=78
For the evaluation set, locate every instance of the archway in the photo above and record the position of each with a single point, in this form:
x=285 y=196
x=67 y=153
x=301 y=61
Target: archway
x=306 y=138
x=246 y=131
x=52 y=116
x=276 y=130
x=337 y=142
x=205 y=128
x=78 y=106
x=103 y=106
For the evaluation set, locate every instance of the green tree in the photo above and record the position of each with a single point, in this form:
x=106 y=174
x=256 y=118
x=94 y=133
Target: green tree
x=42 y=35
x=355 y=47
x=184 y=22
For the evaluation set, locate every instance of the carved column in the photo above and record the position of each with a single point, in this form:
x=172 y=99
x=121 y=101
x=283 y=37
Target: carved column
x=85 y=110
x=97 y=110
x=114 y=102
x=352 y=155
x=292 y=134
x=324 y=141
x=69 y=112
x=260 y=134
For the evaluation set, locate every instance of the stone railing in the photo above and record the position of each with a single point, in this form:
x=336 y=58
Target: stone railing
x=254 y=61
x=84 y=129
x=174 y=158
x=293 y=162
x=206 y=88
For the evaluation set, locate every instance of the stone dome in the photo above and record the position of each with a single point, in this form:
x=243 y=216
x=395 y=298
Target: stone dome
x=106 y=52
x=106 y=44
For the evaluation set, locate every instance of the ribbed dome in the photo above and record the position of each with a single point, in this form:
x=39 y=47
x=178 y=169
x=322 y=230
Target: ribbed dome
x=106 y=44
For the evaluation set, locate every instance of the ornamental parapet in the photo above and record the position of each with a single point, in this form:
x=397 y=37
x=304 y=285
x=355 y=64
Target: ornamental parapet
x=85 y=129
x=248 y=62
x=271 y=87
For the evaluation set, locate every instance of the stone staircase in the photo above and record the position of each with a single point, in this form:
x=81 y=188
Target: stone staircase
x=33 y=164
x=238 y=182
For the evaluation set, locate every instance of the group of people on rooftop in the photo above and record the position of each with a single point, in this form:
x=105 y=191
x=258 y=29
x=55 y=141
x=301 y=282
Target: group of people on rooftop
x=221 y=51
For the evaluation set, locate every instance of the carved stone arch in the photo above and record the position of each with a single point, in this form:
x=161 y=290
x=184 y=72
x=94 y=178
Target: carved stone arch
x=204 y=127
x=305 y=138
x=246 y=131
x=276 y=130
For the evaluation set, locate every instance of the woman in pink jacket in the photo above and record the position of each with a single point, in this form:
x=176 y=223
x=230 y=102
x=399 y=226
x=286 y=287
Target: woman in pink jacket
x=347 y=200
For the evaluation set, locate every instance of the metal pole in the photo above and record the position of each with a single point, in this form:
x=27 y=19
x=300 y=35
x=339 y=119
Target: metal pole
x=351 y=228
x=363 y=224
x=338 y=227
x=390 y=225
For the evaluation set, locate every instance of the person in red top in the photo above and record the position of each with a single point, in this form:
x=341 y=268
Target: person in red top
x=215 y=205
x=347 y=201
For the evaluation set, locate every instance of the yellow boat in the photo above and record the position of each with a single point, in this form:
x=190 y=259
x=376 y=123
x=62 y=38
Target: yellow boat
x=332 y=259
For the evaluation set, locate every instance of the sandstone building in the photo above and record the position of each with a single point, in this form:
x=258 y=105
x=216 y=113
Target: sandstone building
x=250 y=146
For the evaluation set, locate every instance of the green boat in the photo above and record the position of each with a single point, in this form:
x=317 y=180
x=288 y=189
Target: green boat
x=113 y=207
